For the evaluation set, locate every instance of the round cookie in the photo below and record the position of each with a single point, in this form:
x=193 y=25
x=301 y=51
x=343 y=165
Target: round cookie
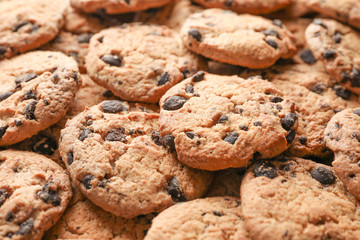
x=207 y=218
x=338 y=47
x=342 y=135
x=112 y=7
x=139 y=62
x=37 y=88
x=226 y=182
x=298 y=199
x=246 y=6
x=122 y=164
x=28 y=24
x=34 y=192
x=245 y=40
x=347 y=11
x=220 y=121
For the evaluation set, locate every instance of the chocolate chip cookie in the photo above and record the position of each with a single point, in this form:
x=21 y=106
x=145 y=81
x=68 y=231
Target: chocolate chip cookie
x=338 y=47
x=295 y=198
x=28 y=24
x=139 y=62
x=122 y=164
x=37 y=88
x=342 y=135
x=246 y=6
x=207 y=218
x=34 y=192
x=220 y=121
x=112 y=7
x=226 y=182
x=244 y=40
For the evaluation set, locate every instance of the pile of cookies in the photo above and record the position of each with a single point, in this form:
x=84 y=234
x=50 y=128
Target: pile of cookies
x=179 y=119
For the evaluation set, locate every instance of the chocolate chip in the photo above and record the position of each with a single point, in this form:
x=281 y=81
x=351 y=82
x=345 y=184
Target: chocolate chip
x=228 y=3
x=302 y=140
x=3 y=131
x=190 y=135
x=156 y=137
x=342 y=92
x=189 y=88
x=30 y=110
x=319 y=22
x=329 y=53
x=85 y=134
x=174 y=103
x=70 y=158
x=231 y=137
x=195 y=34
x=288 y=121
x=5 y=95
x=25 y=78
x=276 y=99
x=257 y=123
x=9 y=216
x=266 y=169
x=243 y=127
x=175 y=191
x=112 y=60
x=355 y=77
x=185 y=72
x=286 y=167
x=20 y=25
x=29 y=94
x=307 y=56
x=169 y=142
x=357 y=111
x=164 y=78
x=337 y=37
x=18 y=123
x=2 y=50
x=25 y=227
x=323 y=175
x=116 y=135
x=219 y=214
x=45 y=145
x=87 y=181
x=84 y=38
x=291 y=136
x=48 y=195
x=223 y=118
x=277 y=22
x=199 y=76
x=113 y=106
x=318 y=88
x=4 y=194
x=271 y=42
x=271 y=32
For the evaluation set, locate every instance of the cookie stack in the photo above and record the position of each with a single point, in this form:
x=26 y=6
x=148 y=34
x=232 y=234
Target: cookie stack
x=179 y=119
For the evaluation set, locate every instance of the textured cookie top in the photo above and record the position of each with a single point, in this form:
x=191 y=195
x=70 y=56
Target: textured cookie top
x=112 y=7
x=139 y=62
x=28 y=24
x=343 y=137
x=347 y=11
x=246 y=6
x=37 y=88
x=34 y=192
x=338 y=46
x=220 y=122
x=208 y=218
x=298 y=199
x=244 y=40
x=122 y=164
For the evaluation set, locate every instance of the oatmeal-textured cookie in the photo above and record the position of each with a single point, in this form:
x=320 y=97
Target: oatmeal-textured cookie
x=226 y=182
x=220 y=121
x=139 y=62
x=75 y=46
x=37 y=88
x=34 y=192
x=338 y=47
x=28 y=24
x=208 y=218
x=347 y=11
x=112 y=7
x=122 y=164
x=342 y=135
x=244 y=40
x=172 y=15
x=298 y=199
x=246 y=6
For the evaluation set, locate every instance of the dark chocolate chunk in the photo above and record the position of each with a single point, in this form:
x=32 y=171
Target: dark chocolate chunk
x=29 y=94
x=3 y=131
x=257 y=123
x=112 y=60
x=175 y=190
x=48 y=195
x=30 y=110
x=156 y=137
x=18 y=122
x=25 y=78
x=127 y=1
x=288 y=121
x=199 y=76
x=164 y=78
x=291 y=136
x=70 y=158
x=84 y=38
x=271 y=42
x=45 y=145
x=302 y=140
x=276 y=99
x=87 y=181
x=307 y=56
x=174 y=103
x=329 y=53
x=85 y=134
x=116 y=135
x=277 y=22
x=337 y=37
x=342 y=92
x=191 y=135
x=219 y=214
x=189 y=88
x=108 y=94
x=195 y=34
x=243 y=127
x=25 y=227
x=266 y=169
x=228 y=3
x=186 y=72
x=9 y=216
x=5 y=95
x=4 y=194
x=355 y=77
x=318 y=88
x=2 y=50
x=357 y=111
x=169 y=142
x=20 y=25
x=113 y=106
x=271 y=32
x=323 y=175
x=231 y=137
x=318 y=21
x=223 y=118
